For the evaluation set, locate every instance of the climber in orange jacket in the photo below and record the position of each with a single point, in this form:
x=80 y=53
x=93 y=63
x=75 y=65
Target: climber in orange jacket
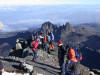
x=72 y=55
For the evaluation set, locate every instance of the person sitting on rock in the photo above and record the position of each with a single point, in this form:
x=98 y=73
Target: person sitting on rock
x=1 y=68
x=35 y=46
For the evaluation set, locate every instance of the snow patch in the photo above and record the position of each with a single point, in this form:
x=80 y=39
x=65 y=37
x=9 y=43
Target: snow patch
x=7 y=73
x=39 y=74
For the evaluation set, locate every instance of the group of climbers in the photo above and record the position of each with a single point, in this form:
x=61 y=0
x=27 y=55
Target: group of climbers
x=72 y=57
x=46 y=42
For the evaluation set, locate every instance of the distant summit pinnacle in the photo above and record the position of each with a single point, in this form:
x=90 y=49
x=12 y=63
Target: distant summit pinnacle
x=47 y=26
x=68 y=27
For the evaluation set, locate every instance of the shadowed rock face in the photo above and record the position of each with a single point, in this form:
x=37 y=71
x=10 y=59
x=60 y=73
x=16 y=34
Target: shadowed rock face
x=93 y=42
x=91 y=52
x=7 y=43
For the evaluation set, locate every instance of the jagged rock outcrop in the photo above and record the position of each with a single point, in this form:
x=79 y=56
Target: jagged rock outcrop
x=60 y=32
x=68 y=28
x=48 y=26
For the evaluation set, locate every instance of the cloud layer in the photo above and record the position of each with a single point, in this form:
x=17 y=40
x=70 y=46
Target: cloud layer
x=24 y=17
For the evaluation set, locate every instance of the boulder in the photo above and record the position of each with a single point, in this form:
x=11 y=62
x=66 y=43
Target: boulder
x=26 y=67
x=96 y=71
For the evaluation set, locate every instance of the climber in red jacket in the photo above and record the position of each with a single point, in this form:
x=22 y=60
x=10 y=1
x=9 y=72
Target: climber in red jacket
x=35 y=46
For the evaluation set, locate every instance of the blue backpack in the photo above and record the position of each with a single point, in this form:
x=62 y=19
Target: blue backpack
x=71 y=68
x=78 y=53
x=52 y=36
x=48 y=38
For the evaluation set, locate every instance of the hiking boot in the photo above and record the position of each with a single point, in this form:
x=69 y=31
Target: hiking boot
x=34 y=60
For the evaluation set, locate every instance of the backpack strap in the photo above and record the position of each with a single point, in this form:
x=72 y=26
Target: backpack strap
x=78 y=53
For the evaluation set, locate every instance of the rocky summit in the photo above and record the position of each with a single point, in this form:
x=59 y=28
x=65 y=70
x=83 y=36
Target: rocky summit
x=45 y=64
x=80 y=37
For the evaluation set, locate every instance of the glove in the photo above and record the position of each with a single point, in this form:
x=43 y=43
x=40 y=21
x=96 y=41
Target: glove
x=81 y=57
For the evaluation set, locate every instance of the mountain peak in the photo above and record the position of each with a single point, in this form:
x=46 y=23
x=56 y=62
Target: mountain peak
x=47 y=23
x=47 y=26
x=68 y=27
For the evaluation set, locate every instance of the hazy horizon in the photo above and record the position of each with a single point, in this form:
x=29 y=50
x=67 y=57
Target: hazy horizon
x=17 y=17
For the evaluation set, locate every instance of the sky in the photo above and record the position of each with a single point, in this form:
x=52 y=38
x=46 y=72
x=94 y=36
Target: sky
x=12 y=15
x=47 y=2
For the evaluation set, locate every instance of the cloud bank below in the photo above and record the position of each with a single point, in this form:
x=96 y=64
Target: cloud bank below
x=24 y=17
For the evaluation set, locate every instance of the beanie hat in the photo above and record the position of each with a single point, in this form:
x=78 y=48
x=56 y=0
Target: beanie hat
x=60 y=42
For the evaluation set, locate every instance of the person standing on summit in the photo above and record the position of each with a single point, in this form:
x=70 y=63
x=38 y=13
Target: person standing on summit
x=73 y=57
x=35 y=46
x=61 y=54
x=52 y=36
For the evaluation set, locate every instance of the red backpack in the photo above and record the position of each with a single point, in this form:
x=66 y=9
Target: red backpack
x=45 y=39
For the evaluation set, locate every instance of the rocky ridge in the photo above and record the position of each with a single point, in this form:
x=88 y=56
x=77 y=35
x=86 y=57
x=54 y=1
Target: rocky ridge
x=46 y=64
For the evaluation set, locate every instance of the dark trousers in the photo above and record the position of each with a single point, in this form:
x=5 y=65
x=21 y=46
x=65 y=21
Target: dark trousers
x=35 y=54
x=62 y=66
x=69 y=71
x=46 y=47
x=0 y=73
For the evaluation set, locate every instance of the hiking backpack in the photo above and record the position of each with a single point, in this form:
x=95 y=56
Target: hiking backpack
x=52 y=36
x=31 y=45
x=48 y=38
x=77 y=53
